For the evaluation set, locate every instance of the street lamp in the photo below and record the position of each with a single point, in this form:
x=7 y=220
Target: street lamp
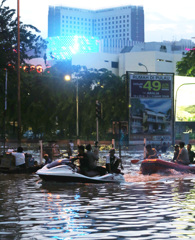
x=141 y=64
x=68 y=78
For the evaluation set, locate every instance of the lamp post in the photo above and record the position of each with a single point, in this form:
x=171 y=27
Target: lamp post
x=141 y=64
x=18 y=73
x=68 y=78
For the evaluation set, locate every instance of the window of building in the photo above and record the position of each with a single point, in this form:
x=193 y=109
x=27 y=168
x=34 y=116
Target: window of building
x=114 y=64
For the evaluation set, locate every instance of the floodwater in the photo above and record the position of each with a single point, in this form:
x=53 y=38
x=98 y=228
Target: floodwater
x=142 y=208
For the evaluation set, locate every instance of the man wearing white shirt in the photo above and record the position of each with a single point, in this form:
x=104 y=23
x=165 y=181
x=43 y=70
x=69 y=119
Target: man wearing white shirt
x=19 y=158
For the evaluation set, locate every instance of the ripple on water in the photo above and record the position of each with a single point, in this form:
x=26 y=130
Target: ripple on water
x=151 y=207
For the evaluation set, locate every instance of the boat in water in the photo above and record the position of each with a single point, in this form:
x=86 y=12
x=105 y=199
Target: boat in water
x=63 y=170
x=7 y=165
x=150 y=166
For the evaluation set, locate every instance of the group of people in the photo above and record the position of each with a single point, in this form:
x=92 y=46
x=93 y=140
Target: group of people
x=88 y=161
x=181 y=154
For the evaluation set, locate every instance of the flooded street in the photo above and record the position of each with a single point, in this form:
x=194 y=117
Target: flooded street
x=144 y=207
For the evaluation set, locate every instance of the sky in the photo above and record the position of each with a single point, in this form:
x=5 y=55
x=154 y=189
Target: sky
x=164 y=20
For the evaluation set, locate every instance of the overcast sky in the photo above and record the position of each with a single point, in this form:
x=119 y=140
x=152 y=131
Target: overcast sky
x=164 y=20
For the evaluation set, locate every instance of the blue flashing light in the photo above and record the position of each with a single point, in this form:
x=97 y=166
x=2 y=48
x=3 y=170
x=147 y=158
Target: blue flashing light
x=61 y=48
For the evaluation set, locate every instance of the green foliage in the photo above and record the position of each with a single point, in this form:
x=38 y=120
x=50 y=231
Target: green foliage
x=186 y=67
x=48 y=102
x=30 y=43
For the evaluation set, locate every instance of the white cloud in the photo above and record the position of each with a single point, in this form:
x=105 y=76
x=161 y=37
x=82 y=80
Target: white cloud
x=166 y=18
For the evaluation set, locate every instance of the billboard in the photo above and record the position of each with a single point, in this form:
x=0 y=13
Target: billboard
x=184 y=99
x=61 y=48
x=151 y=107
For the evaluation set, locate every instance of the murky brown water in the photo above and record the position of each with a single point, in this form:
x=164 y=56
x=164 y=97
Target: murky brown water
x=145 y=207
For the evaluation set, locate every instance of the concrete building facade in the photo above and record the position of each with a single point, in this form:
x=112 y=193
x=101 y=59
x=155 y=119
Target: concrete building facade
x=151 y=61
x=115 y=27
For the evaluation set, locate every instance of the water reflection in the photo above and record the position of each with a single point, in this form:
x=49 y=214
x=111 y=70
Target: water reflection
x=153 y=207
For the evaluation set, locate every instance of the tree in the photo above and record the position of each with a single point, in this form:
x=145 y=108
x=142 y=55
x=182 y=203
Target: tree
x=186 y=67
x=31 y=44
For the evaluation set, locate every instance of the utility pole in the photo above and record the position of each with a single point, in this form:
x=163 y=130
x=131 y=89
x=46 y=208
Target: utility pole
x=98 y=116
x=18 y=72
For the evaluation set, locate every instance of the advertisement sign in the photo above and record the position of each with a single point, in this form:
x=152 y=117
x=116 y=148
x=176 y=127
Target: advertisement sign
x=151 y=107
x=184 y=99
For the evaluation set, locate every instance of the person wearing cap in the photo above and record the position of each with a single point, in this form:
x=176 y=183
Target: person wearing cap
x=183 y=157
x=47 y=159
x=112 y=162
x=176 y=152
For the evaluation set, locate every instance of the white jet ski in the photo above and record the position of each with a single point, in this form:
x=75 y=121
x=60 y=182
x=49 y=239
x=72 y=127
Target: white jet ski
x=63 y=170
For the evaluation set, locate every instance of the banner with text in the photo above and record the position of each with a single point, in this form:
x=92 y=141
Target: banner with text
x=151 y=107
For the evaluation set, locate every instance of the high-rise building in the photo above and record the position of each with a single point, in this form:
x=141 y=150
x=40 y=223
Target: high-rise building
x=115 y=27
